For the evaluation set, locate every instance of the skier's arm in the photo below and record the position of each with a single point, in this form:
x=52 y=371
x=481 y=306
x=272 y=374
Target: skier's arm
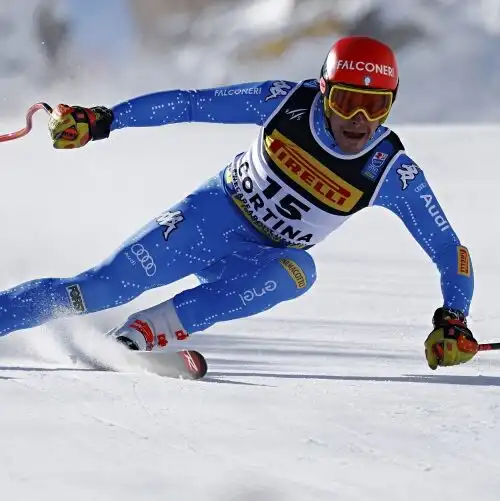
x=246 y=103
x=406 y=193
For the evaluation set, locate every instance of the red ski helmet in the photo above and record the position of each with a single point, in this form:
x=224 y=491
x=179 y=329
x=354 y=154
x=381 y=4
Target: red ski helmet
x=360 y=62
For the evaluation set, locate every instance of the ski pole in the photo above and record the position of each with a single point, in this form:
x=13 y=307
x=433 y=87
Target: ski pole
x=489 y=346
x=29 y=123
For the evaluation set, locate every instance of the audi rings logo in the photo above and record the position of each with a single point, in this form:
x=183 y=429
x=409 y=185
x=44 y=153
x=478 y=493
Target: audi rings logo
x=144 y=258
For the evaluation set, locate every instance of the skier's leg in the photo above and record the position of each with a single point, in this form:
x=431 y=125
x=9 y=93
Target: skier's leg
x=180 y=242
x=237 y=286
x=251 y=284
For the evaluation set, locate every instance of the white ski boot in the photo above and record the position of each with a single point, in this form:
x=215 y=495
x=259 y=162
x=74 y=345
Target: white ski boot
x=152 y=329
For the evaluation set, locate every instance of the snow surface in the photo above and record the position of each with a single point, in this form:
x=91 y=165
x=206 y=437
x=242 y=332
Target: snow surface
x=324 y=398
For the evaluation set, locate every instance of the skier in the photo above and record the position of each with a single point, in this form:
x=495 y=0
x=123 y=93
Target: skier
x=322 y=154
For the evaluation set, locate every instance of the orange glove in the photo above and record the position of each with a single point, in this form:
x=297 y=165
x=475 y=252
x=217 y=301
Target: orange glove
x=74 y=126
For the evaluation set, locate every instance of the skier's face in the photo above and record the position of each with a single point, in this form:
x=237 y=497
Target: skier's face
x=353 y=134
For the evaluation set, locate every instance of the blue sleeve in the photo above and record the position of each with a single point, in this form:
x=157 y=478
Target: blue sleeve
x=406 y=192
x=246 y=103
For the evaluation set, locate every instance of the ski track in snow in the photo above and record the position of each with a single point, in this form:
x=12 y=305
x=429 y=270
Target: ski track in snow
x=324 y=398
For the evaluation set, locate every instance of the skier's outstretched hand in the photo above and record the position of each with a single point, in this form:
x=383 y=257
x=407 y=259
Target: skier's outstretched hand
x=74 y=126
x=451 y=342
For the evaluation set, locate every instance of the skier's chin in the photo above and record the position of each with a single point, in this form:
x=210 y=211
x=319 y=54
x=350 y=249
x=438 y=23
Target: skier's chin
x=352 y=141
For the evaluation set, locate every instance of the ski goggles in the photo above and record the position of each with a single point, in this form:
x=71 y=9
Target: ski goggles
x=346 y=101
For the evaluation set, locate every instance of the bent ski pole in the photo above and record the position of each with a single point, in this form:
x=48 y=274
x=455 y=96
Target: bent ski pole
x=29 y=123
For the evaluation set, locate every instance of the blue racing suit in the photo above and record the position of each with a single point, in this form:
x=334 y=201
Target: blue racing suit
x=249 y=256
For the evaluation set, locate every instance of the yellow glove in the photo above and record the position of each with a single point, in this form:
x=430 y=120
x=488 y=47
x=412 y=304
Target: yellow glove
x=451 y=342
x=74 y=126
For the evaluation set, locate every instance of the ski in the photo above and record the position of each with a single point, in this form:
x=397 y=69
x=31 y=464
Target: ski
x=180 y=364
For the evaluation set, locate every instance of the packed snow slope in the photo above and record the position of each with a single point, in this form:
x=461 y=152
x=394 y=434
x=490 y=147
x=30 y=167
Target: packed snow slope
x=324 y=398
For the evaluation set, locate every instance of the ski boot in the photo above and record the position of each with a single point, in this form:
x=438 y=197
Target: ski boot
x=152 y=329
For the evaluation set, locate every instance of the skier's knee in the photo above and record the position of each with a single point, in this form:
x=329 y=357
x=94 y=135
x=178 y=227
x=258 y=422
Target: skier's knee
x=300 y=269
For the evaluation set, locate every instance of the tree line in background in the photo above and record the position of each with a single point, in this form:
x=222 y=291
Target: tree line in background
x=157 y=24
